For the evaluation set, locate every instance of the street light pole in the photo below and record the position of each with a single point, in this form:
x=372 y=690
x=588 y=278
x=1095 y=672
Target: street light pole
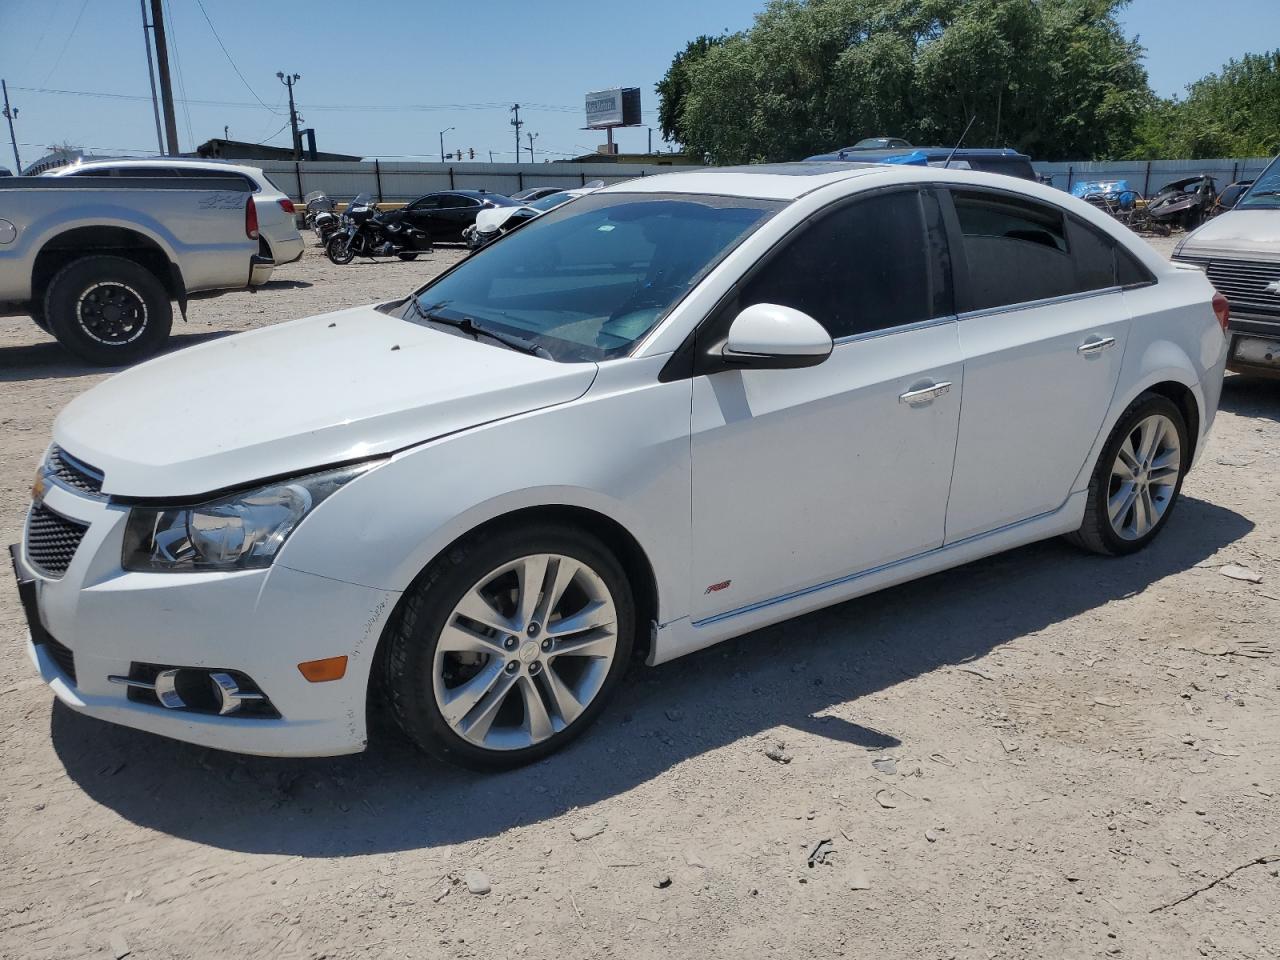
x=532 y=137
x=442 y=133
x=288 y=80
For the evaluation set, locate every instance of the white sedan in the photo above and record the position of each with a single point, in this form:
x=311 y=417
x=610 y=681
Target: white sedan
x=668 y=413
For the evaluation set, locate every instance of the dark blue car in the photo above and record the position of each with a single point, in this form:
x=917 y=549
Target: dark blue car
x=987 y=160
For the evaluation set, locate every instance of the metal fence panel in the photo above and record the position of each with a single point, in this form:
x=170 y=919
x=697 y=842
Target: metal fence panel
x=1148 y=176
x=403 y=181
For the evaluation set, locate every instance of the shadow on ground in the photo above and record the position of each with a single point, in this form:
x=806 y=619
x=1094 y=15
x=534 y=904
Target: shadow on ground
x=392 y=798
x=1251 y=396
x=50 y=361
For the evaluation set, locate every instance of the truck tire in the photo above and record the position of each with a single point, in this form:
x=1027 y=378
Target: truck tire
x=107 y=310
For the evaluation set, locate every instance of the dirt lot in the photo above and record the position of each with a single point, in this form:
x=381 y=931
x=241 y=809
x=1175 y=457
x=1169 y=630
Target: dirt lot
x=1041 y=755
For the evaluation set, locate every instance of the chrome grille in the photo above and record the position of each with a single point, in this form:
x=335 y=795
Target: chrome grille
x=73 y=473
x=1245 y=282
x=52 y=540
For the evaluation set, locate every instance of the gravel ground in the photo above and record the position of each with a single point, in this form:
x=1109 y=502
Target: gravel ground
x=1044 y=754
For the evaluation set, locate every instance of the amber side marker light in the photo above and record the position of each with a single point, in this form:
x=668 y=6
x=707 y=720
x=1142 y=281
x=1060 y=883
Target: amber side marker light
x=318 y=671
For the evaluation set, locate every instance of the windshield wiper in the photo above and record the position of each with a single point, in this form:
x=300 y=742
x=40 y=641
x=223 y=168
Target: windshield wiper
x=469 y=325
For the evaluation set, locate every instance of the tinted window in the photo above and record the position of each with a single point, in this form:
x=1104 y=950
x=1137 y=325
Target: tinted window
x=459 y=202
x=862 y=267
x=1015 y=249
x=429 y=202
x=1094 y=255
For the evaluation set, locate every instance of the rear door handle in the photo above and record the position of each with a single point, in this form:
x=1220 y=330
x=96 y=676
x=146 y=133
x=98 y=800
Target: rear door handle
x=1091 y=347
x=917 y=397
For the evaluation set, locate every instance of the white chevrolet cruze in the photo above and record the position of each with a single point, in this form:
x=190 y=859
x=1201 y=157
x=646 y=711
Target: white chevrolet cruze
x=671 y=412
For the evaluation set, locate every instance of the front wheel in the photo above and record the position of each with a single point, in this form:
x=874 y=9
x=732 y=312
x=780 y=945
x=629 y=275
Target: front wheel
x=338 y=250
x=407 y=255
x=509 y=645
x=1138 y=478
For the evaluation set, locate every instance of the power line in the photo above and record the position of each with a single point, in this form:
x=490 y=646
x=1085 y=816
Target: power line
x=350 y=107
x=66 y=43
x=226 y=53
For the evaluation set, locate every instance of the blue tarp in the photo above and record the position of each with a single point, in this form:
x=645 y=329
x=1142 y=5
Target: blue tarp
x=1111 y=189
x=916 y=159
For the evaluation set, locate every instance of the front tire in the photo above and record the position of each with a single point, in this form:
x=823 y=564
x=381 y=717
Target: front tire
x=339 y=251
x=1137 y=480
x=107 y=310
x=408 y=255
x=509 y=645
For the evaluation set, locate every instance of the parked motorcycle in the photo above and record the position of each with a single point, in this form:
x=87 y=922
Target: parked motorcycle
x=321 y=216
x=367 y=232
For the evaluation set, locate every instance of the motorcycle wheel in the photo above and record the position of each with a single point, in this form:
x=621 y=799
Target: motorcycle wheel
x=339 y=251
x=407 y=255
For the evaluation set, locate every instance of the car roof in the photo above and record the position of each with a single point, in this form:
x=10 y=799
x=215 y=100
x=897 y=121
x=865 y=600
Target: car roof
x=765 y=181
x=195 y=163
x=932 y=153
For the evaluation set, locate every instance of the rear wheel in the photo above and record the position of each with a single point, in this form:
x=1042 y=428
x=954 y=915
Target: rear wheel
x=510 y=645
x=108 y=310
x=407 y=255
x=1138 y=478
x=338 y=250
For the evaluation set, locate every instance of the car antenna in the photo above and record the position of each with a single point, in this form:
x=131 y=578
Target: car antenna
x=952 y=154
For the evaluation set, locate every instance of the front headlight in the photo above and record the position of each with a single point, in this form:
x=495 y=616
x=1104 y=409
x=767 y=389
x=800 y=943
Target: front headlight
x=243 y=531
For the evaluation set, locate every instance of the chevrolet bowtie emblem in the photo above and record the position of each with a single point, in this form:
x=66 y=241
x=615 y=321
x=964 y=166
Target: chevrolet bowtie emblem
x=1273 y=287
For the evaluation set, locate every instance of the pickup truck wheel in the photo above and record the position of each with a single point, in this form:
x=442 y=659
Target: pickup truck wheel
x=108 y=310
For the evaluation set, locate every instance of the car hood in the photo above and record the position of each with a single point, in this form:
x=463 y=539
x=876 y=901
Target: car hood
x=1237 y=234
x=492 y=218
x=300 y=396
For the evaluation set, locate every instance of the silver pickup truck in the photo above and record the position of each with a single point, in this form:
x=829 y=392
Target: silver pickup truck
x=1240 y=253
x=99 y=263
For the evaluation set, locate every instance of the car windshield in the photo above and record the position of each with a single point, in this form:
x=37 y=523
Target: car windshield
x=1265 y=191
x=586 y=281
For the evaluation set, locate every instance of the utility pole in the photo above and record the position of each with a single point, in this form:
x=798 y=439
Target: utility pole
x=650 y=129
x=166 y=86
x=151 y=76
x=442 y=133
x=515 y=108
x=288 y=79
x=532 y=137
x=9 y=114
x=491 y=156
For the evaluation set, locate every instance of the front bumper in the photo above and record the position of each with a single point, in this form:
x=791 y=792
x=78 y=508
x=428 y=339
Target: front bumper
x=260 y=622
x=1255 y=345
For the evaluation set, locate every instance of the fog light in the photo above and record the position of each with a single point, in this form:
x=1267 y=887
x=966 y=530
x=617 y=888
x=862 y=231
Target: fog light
x=320 y=671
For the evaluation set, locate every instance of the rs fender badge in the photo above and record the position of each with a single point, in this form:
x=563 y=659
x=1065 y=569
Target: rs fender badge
x=717 y=587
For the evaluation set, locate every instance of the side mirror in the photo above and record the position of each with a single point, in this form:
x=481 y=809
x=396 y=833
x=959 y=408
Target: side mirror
x=768 y=336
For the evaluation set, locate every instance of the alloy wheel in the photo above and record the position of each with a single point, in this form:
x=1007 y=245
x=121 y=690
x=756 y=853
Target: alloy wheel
x=1144 y=477
x=525 y=651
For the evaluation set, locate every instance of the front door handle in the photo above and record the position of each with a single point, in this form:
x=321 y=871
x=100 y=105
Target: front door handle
x=917 y=397
x=1093 y=347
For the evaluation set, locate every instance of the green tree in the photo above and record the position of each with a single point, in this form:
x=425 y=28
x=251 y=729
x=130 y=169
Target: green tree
x=674 y=86
x=1056 y=78
x=1234 y=113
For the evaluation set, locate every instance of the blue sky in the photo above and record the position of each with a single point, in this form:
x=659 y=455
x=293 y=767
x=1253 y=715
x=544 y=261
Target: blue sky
x=454 y=64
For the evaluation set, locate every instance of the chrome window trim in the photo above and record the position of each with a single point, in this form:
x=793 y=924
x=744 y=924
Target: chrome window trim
x=889 y=331
x=1047 y=301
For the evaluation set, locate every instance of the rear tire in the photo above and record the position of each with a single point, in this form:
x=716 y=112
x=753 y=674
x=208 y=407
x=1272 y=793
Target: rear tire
x=107 y=310
x=1137 y=479
x=555 y=655
x=407 y=255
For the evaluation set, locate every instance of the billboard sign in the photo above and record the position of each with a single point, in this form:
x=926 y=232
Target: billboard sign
x=619 y=107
